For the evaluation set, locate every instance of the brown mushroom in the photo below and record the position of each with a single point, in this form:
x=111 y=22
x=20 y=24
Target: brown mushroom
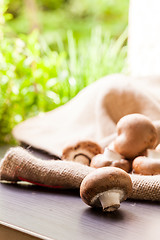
x=82 y=152
x=147 y=165
x=106 y=187
x=157 y=126
x=136 y=133
x=110 y=158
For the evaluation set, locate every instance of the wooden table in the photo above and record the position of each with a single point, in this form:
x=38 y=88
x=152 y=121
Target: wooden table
x=32 y=212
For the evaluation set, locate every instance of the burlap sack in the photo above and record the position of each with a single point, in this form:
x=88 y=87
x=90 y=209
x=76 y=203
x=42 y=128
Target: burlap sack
x=145 y=187
x=19 y=165
x=92 y=114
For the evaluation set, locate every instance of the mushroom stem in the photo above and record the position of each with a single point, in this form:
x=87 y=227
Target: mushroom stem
x=153 y=154
x=110 y=200
x=82 y=158
x=111 y=154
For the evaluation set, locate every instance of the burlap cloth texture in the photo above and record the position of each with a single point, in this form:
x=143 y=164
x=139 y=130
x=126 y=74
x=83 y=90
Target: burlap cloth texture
x=91 y=115
x=20 y=165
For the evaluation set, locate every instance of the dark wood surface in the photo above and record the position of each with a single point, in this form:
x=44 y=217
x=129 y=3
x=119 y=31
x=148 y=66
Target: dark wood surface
x=9 y=232
x=61 y=214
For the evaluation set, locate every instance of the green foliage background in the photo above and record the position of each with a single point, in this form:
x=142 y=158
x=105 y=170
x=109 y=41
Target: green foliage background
x=77 y=43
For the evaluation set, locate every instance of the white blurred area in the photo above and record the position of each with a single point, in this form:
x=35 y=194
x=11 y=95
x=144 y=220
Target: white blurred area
x=144 y=38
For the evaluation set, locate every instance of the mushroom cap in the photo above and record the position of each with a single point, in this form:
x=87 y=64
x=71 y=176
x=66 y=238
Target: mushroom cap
x=157 y=126
x=102 y=180
x=136 y=133
x=87 y=149
x=146 y=165
x=101 y=160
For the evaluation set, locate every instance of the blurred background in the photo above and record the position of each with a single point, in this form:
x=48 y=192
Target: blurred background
x=51 y=49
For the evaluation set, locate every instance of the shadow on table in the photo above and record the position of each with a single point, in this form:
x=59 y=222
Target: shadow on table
x=26 y=187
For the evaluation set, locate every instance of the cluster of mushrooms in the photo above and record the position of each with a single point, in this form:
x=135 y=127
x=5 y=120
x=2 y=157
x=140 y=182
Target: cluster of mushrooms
x=135 y=150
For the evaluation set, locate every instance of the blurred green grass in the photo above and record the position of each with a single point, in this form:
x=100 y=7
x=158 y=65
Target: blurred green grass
x=38 y=74
x=56 y=17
